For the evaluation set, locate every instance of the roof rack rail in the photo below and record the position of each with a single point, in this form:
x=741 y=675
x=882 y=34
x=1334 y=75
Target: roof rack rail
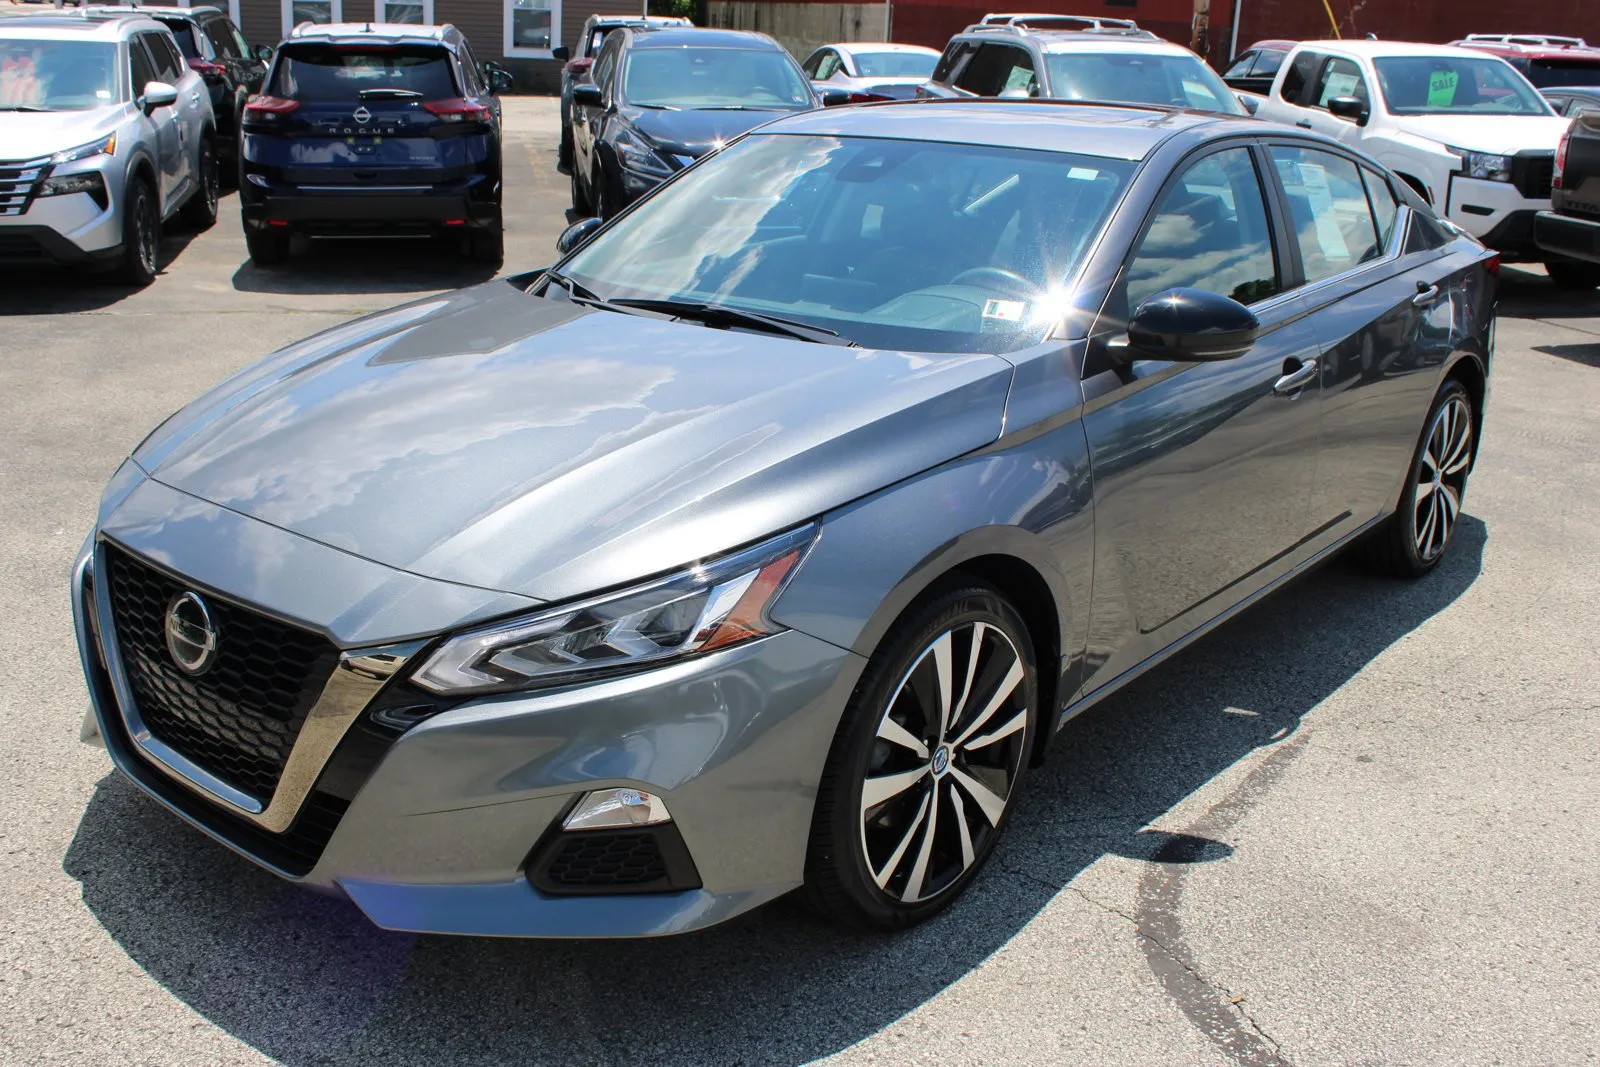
x=1030 y=30
x=1526 y=40
x=1043 y=20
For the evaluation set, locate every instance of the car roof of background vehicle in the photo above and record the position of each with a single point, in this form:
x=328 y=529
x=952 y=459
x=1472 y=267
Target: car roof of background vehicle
x=1109 y=131
x=1069 y=40
x=64 y=27
x=153 y=12
x=1381 y=49
x=853 y=47
x=1276 y=44
x=699 y=36
x=1551 y=50
x=639 y=20
x=372 y=32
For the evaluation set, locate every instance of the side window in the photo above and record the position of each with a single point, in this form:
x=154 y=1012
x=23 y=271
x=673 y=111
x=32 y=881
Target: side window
x=1384 y=206
x=169 y=64
x=950 y=63
x=828 y=67
x=1241 y=66
x=1294 y=82
x=141 y=69
x=1210 y=232
x=986 y=72
x=471 y=71
x=1020 y=80
x=221 y=36
x=1328 y=205
x=1426 y=233
x=606 y=66
x=1339 y=77
x=811 y=64
x=1267 y=63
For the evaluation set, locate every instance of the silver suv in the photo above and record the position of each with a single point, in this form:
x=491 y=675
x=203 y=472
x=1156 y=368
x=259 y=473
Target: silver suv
x=105 y=133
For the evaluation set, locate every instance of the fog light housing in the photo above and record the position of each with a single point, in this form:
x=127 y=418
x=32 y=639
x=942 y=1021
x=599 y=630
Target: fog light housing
x=67 y=184
x=614 y=808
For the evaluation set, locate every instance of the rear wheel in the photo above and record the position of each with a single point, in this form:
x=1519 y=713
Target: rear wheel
x=141 y=236
x=1577 y=276
x=604 y=203
x=582 y=206
x=200 y=212
x=488 y=246
x=925 y=767
x=1413 y=540
x=267 y=247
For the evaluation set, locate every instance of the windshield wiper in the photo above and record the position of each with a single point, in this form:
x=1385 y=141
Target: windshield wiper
x=24 y=107
x=736 y=107
x=582 y=294
x=388 y=94
x=720 y=313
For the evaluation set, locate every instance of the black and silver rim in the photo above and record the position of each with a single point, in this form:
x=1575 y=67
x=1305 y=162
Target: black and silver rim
x=1443 y=478
x=144 y=234
x=946 y=756
x=208 y=178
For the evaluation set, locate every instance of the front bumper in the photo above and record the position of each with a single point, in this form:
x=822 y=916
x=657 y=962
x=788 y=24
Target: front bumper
x=67 y=230
x=358 y=209
x=438 y=835
x=1568 y=235
x=1496 y=213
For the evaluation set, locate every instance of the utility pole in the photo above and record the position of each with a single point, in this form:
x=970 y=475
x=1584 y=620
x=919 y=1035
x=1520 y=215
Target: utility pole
x=1200 y=28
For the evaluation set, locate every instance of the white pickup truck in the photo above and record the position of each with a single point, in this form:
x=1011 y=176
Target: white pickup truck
x=1463 y=127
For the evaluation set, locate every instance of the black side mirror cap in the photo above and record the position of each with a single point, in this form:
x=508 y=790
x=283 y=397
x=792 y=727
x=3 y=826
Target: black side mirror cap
x=1251 y=102
x=499 y=78
x=576 y=234
x=588 y=94
x=1191 y=325
x=264 y=53
x=561 y=52
x=1349 y=107
x=834 y=97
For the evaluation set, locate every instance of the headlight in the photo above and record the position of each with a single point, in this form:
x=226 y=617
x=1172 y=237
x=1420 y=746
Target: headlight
x=637 y=155
x=105 y=146
x=703 y=608
x=1489 y=167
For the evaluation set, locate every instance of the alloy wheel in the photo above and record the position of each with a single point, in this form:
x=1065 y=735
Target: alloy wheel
x=1442 y=479
x=209 y=179
x=947 y=752
x=145 y=233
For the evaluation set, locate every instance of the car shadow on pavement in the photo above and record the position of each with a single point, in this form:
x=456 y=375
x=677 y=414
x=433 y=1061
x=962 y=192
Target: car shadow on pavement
x=1526 y=295
x=365 y=265
x=48 y=290
x=307 y=980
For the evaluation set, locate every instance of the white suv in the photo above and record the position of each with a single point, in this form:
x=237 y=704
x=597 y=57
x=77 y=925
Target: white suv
x=1463 y=128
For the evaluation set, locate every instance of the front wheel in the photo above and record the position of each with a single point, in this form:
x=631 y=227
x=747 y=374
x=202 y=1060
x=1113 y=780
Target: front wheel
x=1574 y=276
x=927 y=761
x=141 y=235
x=1413 y=540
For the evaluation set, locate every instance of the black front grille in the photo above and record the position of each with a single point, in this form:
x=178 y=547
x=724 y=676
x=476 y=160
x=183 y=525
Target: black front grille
x=238 y=719
x=647 y=859
x=15 y=247
x=1531 y=173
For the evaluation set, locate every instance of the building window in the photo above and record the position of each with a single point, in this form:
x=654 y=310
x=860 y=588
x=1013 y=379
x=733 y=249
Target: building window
x=411 y=12
x=297 y=11
x=533 y=27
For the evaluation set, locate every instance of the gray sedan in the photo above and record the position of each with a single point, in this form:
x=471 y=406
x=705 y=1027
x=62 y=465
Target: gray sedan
x=765 y=541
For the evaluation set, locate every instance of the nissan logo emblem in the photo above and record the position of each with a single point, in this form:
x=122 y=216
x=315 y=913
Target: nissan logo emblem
x=361 y=114
x=191 y=635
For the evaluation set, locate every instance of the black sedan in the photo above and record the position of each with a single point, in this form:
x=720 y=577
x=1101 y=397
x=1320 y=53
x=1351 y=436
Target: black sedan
x=661 y=98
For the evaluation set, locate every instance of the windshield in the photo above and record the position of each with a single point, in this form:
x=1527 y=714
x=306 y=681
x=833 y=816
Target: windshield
x=905 y=245
x=1455 y=85
x=1129 y=77
x=894 y=64
x=714 y=78
x=331 y=75
x=1546 y=73
x=57 y=75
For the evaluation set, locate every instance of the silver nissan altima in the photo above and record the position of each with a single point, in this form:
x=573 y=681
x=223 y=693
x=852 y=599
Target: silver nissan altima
x=765 y=540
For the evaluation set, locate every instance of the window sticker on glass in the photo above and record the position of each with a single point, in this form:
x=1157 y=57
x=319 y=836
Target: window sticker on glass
x=1315 y=181
x=1004 y=310
x=1338 y=85
x=1083 y=174
x=1442 y=88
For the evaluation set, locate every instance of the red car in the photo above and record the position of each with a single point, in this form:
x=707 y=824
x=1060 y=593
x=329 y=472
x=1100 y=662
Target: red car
x=1253 y=69
x=1546 y=61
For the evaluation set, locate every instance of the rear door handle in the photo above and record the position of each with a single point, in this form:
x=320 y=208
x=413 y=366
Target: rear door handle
x=1426 y=294
x=1296 y=380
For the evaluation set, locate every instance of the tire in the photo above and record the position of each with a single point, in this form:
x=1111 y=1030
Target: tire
x=488 y=247
x=604 y=209
x=200 y=210
x=267 y=247
x=897 y=859
x=1413 y=540
x=1574 y=276
x=582 y=206
x=141 y=236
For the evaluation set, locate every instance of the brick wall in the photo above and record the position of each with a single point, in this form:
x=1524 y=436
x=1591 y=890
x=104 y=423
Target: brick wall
x=1420 y=20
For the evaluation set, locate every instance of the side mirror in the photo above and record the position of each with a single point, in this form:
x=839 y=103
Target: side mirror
x=1191 y=325
x=832 y=97
x=1250 y=101
x=498 y=77
x=1349 y=107
x=561 y=52
x=263 y=53
x=576 y=234
x=587 y=94
x=157 y=94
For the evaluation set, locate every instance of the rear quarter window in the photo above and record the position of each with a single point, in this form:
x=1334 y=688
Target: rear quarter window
x=344 y=75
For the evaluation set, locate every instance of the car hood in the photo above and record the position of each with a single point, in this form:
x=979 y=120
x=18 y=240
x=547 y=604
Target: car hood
x=29 y=134
x=694 y=133
x=1499 y=134
x=508 y=442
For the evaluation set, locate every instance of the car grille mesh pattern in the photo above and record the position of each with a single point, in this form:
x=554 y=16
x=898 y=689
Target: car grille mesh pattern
x=17 y=184
x=240 y=718
x=594 y=860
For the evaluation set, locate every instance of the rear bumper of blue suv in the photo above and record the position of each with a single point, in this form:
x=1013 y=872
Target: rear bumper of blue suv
x=333 y=209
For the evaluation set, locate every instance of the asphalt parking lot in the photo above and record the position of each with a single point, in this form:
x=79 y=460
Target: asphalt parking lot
x=1357 y=826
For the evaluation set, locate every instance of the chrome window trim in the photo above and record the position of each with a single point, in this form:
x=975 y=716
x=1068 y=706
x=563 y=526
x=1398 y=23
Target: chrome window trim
x=356 y=679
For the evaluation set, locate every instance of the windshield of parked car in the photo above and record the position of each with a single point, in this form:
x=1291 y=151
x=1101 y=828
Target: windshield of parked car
x=894 y=64
x=1549 y=73
x=334 y=75
x=40 y=75
x=1173 y=80
x=896 y=244
x=719 y=78
x=1456 y=85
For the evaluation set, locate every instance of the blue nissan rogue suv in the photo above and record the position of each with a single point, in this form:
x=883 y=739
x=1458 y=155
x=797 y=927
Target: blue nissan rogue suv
x=373 y=128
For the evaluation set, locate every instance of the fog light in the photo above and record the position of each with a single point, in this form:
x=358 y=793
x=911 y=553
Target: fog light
x=609 y=808
x=67 y=184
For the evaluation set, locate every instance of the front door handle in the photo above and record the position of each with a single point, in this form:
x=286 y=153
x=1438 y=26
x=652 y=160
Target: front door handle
x=1426 y=294
x=1304 y=124
x=1291 y=383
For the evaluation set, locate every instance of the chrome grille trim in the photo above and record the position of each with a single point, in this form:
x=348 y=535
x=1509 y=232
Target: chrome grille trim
x=18 y=183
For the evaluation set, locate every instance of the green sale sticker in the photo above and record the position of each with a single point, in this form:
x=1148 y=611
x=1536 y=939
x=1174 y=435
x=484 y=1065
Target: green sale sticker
x=1442 y=88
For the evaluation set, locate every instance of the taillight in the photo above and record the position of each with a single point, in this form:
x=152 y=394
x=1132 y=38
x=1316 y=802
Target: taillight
x=207 y=69
x=269 y=108
x=1561 y=159
x=458 y=110
x=580 y=66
